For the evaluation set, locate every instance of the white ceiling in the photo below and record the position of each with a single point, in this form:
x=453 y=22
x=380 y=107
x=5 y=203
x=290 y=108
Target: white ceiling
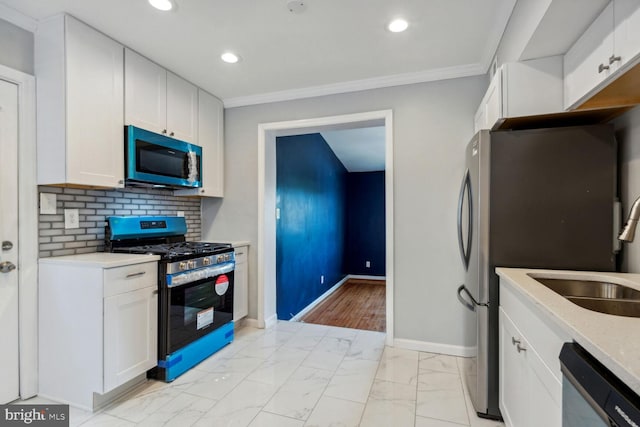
x=333 y=46
x=359 y=150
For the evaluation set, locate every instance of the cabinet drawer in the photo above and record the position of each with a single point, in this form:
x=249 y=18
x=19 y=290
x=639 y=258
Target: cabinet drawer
x=241 y=254
x=541 y=333
x=129 y=278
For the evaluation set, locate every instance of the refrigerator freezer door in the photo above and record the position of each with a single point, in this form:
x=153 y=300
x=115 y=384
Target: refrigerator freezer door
x=465 y=216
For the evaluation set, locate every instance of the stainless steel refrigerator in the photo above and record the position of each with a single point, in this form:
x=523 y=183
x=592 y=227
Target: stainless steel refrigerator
x=541 y=198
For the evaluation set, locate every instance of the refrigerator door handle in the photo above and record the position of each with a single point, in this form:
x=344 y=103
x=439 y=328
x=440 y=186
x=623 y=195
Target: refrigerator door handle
x=465 y=252
x=471 y=305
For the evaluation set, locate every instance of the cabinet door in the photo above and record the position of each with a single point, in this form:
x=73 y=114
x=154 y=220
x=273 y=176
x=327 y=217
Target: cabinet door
x=94 y=101
x=210 y=138
x=145 y=93
x=514 y=390
x=583 y=60
x=182 y=109
x=479 y=119
x=493 y=101
x=241 y=285
x=130 y=335
x=627 y=31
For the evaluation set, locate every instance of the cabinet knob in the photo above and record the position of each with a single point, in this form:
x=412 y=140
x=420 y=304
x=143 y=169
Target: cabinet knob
x=164 y=131
x=171 y=134
x=520 y=348
x=602 y=67
x=614 y=58
x=515 y=341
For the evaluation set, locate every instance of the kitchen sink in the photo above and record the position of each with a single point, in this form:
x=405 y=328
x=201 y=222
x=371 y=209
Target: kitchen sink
x=603 y=297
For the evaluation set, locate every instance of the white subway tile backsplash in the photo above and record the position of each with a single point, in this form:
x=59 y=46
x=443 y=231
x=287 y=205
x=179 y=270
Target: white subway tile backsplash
x=94 y=205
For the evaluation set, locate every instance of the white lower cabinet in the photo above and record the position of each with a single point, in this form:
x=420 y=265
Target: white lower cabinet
x=241 y=284
x=97 y=325
x=530 y=377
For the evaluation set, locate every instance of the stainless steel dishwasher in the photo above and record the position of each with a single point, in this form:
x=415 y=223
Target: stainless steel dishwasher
x=592 y=396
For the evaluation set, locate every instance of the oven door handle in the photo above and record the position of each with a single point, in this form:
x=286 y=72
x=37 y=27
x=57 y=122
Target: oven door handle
x=187 y=277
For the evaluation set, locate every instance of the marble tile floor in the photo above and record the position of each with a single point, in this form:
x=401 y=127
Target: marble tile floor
x=300 y=374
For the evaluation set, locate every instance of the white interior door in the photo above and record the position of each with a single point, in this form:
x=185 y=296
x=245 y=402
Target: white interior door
x=9 y=355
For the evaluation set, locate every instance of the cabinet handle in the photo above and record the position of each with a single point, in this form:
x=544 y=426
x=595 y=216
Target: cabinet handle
x=132 y=275
x=514 y=341
x=520 y=348
x=171 y=134
x=614 y=58
x=164 y=131
x=602 y=67
x=239 y=253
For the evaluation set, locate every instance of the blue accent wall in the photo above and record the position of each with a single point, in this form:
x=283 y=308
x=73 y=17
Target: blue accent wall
x=365 y=223
x=311 y=231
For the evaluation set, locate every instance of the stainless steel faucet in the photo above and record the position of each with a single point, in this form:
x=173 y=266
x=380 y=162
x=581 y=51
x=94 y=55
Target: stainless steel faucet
x=629 y=230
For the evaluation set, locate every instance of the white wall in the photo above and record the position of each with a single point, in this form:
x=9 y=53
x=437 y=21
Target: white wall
x=628 y=136
x=432 y=124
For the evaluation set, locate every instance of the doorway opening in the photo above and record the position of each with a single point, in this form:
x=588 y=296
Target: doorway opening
x=330 y=230
x=267 y=211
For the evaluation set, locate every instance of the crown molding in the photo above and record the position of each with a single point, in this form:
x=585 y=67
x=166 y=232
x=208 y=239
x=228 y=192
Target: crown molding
x=359 y=85
x=18 y=19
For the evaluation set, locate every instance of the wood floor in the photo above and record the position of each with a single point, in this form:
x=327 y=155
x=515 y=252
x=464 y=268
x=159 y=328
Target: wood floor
x=357 y=304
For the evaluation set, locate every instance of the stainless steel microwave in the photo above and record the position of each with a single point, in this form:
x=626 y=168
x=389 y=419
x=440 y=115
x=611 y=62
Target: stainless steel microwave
x=158 y=160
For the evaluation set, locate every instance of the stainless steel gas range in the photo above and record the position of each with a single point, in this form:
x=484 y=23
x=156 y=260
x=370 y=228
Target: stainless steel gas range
x=195 y=286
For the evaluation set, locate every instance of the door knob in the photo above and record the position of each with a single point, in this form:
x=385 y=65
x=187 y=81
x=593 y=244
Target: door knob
x=6 y=267
x=6 y=245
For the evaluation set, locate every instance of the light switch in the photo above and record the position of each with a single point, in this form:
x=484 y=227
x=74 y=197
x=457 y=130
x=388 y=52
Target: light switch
x=71 y=218
x=48 y=203
x=180 y=213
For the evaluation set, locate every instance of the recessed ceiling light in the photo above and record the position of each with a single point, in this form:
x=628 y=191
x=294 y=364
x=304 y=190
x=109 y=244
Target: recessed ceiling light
x=398 y=25
x=163 y=5
x=230 y=57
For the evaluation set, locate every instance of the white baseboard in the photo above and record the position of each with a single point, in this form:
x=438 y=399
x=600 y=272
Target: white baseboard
x=364 y=277
x=430 y=347
x=271 y=321
x=252 y=323
x=318 y=300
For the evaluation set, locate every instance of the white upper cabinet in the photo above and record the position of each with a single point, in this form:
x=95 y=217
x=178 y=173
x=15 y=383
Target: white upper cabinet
x=145 y=93
x=627 y=31
x=159 y=101
x=79 y=105
x=607 y=48
x=182 y=109
x=521 y=89
x=211 y=139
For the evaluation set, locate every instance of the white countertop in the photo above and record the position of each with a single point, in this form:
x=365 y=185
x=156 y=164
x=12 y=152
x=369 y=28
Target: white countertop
x=613 y=340
x=240 y=243
x=100 y=259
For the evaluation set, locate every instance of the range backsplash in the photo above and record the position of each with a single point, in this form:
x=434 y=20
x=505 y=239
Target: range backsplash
x=94 y=205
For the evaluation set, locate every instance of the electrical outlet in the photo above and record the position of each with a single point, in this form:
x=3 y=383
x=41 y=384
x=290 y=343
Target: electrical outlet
x=180 y=213
x=48 y=203
x=367 y=264
x=321 y=279
x=71 y=218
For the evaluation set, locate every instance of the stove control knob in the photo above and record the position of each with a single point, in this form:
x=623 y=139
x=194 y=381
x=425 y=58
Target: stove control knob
x=182 y=265
x=206 y=261
x=191 y=264
x=220 y=258
x=227 y=257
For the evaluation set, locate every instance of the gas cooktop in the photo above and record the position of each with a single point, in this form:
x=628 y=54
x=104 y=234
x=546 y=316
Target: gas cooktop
x=170 y=250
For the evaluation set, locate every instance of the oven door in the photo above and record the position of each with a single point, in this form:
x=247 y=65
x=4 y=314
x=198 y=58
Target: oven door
x=198 y=307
